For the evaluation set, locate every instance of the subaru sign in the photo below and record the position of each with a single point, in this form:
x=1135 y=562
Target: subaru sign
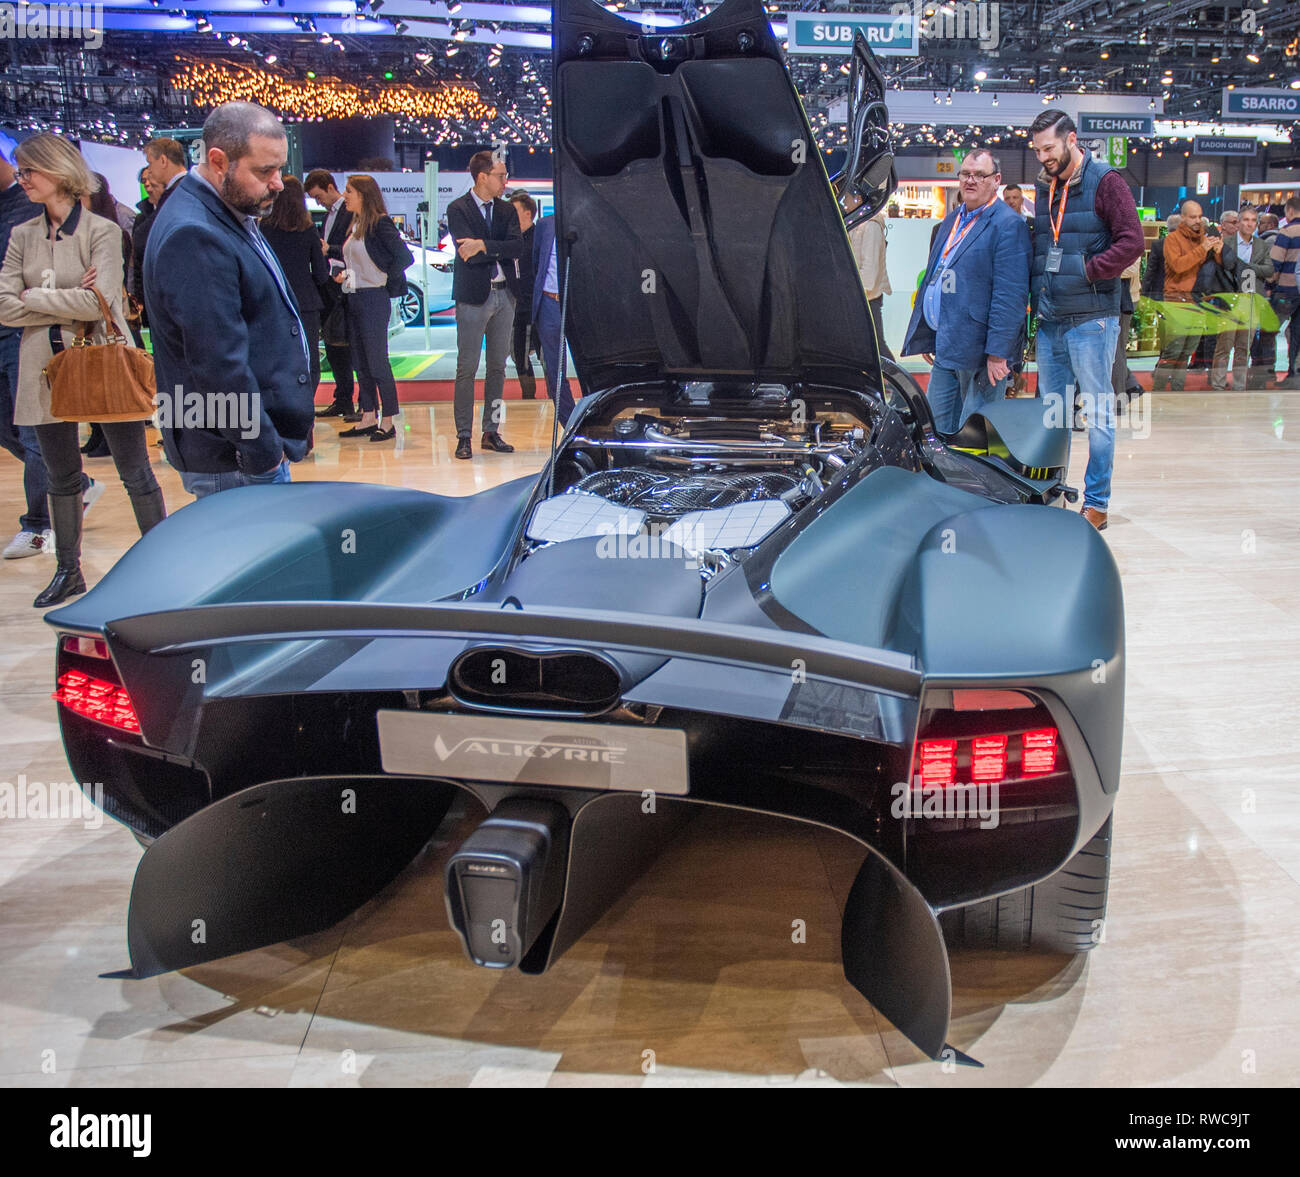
x=1261 y=105
x=888 y=36
x=1224 y=145
x=1095 y=126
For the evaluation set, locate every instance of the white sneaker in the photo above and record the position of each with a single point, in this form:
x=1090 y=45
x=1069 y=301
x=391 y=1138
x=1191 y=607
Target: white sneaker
x=29 y=543
x=91 y=495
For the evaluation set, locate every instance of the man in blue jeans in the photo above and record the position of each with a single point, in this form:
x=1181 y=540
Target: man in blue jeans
x=1086 y=233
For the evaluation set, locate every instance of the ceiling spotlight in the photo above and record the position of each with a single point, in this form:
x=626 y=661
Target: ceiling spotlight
x=995 y=100
x=981 y=74
x=399 y=28
x=376 y=5
x=454 y=6
x=1253 y=57
x=1296 y=84
x=1151 y=105
x=271 y=59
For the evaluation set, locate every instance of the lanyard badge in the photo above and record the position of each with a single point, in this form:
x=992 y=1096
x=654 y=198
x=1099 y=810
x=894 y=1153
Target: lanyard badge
x=1055 y=252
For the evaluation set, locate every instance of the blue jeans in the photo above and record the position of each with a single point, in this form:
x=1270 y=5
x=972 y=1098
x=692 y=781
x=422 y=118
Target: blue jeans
x=20 y=440
x=1080 y=356
x=548 y=331
x=202 y=485
x=955 y=393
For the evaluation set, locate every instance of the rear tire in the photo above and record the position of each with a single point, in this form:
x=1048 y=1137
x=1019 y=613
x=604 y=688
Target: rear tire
x=1064 y=913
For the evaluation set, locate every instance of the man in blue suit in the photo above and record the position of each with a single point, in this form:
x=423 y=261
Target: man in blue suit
x=235 y=396
x=546 y=313
x=970 y=310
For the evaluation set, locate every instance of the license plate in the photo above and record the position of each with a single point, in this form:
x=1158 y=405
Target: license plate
x=506 y=750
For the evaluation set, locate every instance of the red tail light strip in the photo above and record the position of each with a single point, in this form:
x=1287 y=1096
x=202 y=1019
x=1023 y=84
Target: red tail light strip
x=936 y=760
x=1039 y=751
x=96 y=699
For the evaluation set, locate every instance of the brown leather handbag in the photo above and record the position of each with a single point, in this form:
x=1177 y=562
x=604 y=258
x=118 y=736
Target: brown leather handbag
x=111 y=381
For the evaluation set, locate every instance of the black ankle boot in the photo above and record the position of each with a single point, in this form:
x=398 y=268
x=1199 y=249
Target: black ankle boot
x=67 y=582
x=65 y=515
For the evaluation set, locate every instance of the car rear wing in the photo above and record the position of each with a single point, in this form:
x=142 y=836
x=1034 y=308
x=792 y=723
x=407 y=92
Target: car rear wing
x=209 y=626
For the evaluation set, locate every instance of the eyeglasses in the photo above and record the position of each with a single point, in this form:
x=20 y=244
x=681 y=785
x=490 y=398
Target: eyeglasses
x=975 y=175
x=25 y=174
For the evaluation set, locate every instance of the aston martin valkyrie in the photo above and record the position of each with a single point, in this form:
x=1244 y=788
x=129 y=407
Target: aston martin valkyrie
x=751 y=575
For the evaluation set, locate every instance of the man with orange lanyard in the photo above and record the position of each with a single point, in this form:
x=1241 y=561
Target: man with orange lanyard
x=969 y=317
x=1087 y=233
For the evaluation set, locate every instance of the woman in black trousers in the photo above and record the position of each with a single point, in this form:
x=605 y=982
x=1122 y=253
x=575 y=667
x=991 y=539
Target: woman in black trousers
x=376 y=258
x=294 y=240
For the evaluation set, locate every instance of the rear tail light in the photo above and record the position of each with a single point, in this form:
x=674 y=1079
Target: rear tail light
x=937 y=762
x=1039 y=755
x=988 y=758
x=86 y=647
x=97 y=699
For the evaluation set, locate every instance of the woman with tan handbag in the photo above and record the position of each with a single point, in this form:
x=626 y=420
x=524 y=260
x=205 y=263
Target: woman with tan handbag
x=63 y=271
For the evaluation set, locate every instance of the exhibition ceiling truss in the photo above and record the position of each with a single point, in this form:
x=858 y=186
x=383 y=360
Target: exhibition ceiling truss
x=454 y=72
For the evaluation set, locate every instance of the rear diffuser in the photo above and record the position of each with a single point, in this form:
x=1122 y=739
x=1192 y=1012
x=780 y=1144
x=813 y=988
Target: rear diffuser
x=271 y=863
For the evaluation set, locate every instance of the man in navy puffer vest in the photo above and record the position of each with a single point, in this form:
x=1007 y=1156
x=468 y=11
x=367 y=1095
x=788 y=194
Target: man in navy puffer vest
x=1086 y=233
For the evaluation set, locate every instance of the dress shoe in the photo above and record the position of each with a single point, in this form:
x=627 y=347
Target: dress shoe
x=1095 y=517
x=67 y=582
x=463 y=449
x=494 y=441
x=333 y=411
x=358 y=431
x=383 y=434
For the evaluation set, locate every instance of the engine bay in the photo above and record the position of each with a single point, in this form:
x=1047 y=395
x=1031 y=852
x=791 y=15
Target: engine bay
x=701 y=476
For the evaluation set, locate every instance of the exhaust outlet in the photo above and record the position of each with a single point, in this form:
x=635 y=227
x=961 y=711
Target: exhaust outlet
x=505 y=883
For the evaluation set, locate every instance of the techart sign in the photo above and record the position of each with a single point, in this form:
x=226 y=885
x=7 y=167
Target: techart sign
x=1261 y=104
x=1092 y=125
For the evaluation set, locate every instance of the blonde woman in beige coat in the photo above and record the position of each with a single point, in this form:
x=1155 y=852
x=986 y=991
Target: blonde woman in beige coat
x=52 y=268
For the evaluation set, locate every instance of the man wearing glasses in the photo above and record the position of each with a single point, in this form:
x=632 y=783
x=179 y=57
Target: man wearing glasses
x=969 y=316
x=485 y=284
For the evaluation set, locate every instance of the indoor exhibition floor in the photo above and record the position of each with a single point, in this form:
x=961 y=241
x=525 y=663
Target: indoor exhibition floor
x=1197 y=982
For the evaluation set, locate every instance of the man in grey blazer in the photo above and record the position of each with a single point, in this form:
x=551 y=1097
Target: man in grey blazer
x=1243 y=254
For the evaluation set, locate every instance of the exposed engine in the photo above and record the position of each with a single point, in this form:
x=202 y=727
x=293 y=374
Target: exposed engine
x=713 y=486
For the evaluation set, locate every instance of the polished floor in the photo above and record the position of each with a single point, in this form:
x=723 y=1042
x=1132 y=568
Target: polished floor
x=693 y=977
